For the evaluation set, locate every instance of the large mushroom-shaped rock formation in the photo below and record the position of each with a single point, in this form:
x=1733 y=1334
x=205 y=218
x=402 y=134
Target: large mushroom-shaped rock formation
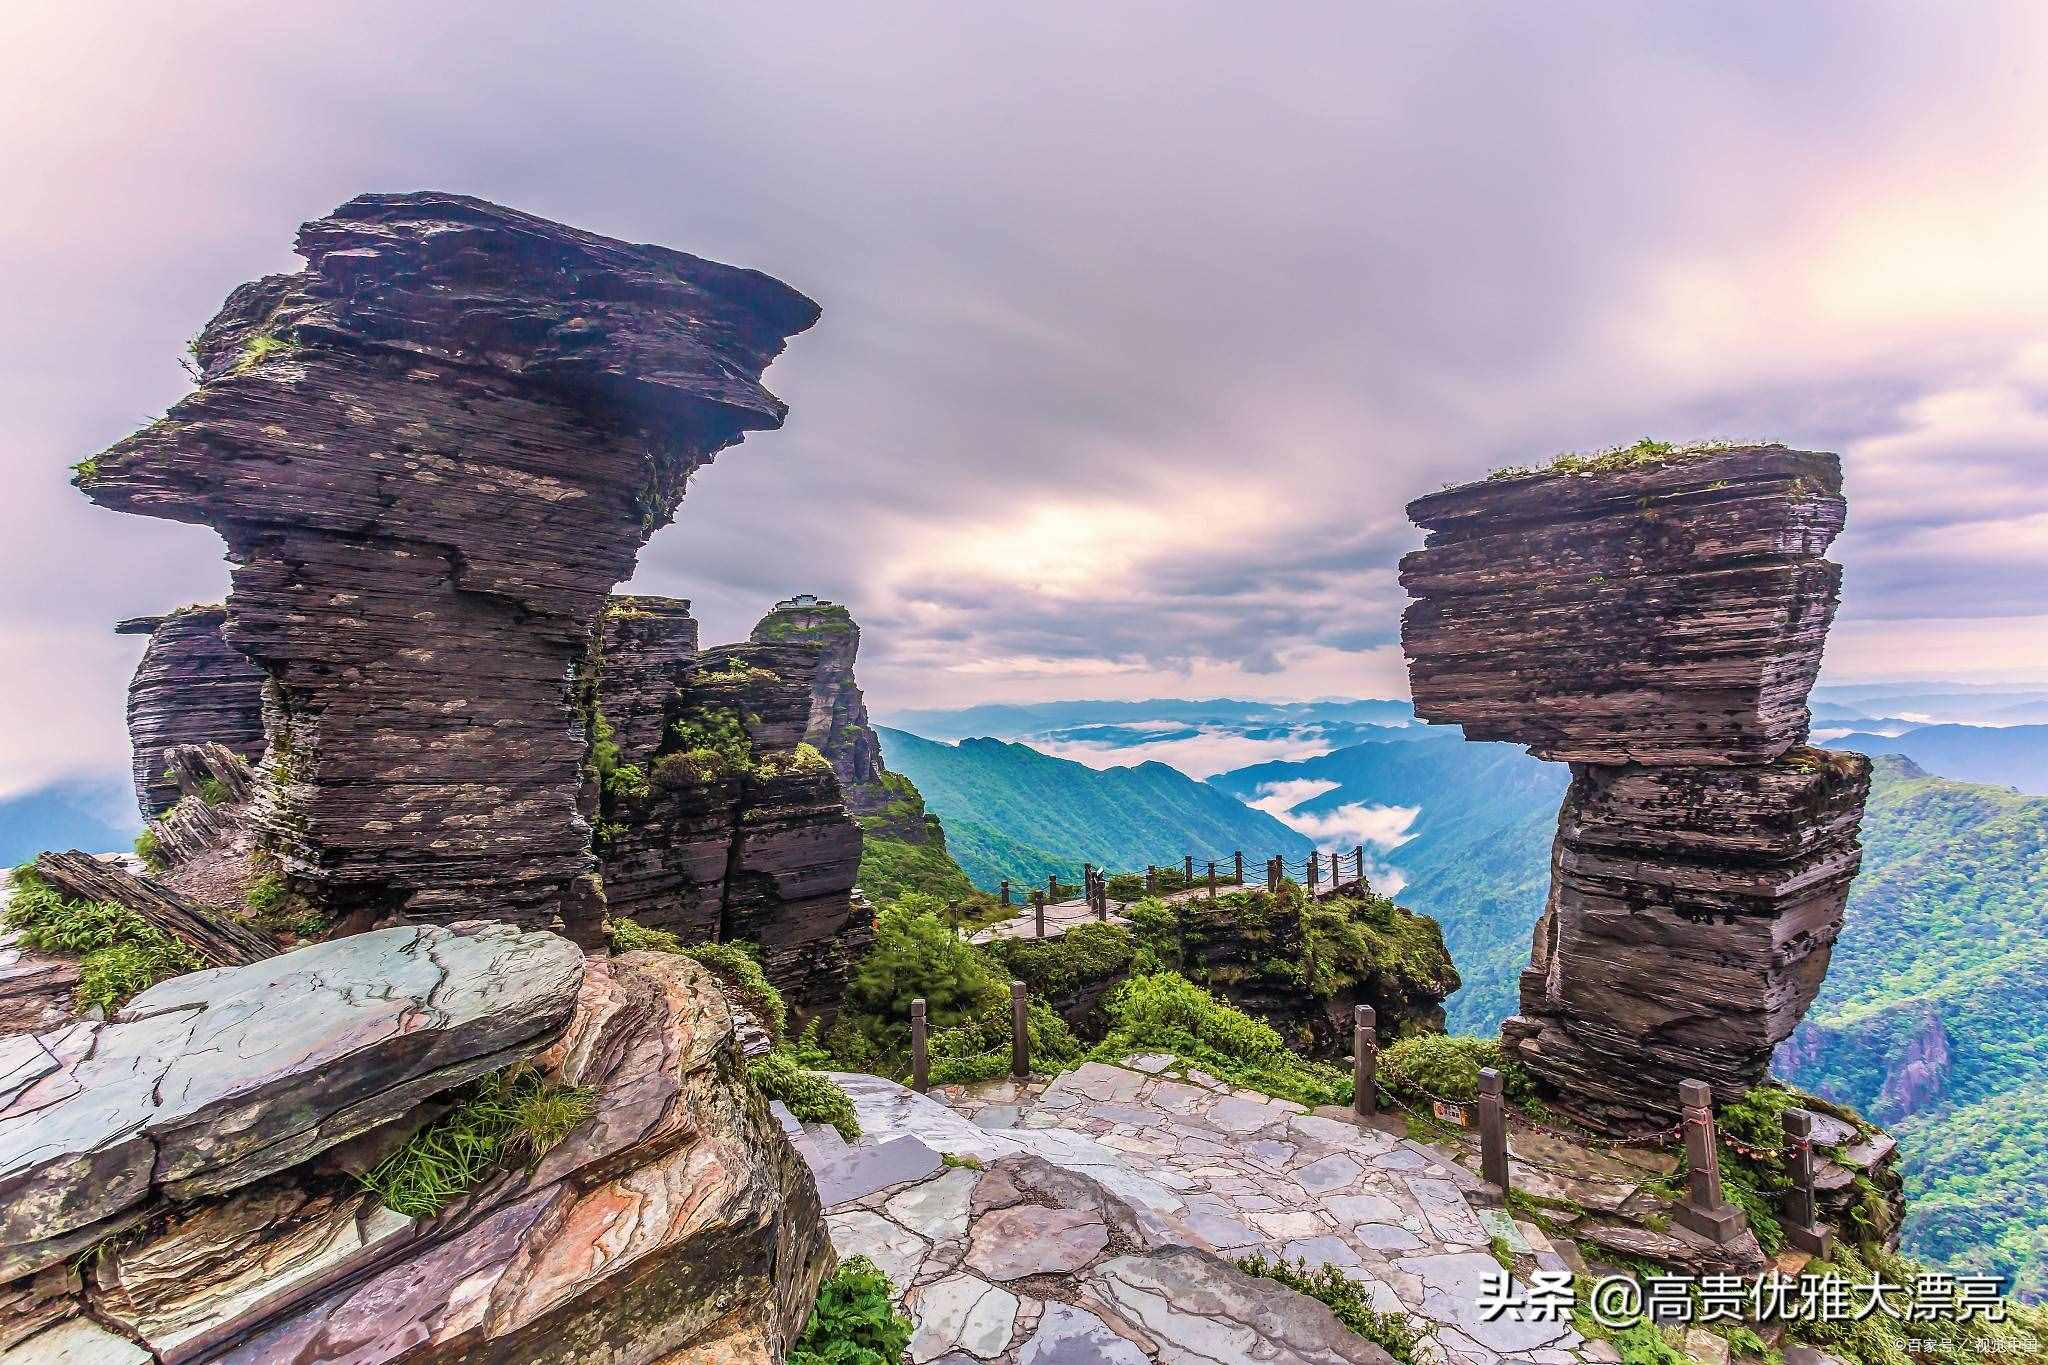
x=432 y=453
x=1656 y=621
x=181 y=1181
x=190 y=688
x=717 y=821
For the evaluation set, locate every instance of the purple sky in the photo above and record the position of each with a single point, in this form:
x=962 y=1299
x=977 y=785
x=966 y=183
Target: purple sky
x=1142 y=322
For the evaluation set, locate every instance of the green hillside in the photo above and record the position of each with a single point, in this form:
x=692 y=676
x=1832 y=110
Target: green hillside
x=1931 y=1017
x=1478 y=861
x=1013 y=812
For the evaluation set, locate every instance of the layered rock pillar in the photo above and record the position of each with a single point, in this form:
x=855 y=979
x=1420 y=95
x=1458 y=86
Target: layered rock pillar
x=190 y=688
x=432 y=453
x=717 y=820
x=1656 y=622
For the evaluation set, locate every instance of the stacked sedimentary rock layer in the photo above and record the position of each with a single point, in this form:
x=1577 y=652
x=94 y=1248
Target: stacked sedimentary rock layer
x=1658 y=625
x=432 y=453
x=735 y=828
x=203 y=1147
x=190 y=688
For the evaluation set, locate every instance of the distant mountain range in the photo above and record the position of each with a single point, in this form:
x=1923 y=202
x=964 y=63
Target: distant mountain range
x=2007 y=756
x=1011 y=811
x=96 y=815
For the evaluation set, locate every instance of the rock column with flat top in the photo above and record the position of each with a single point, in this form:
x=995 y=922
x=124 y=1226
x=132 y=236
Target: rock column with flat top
x=432 y=453
x=1657 y=623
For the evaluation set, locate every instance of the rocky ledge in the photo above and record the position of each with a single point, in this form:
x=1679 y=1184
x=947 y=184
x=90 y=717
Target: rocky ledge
x=188 y=1191
x=432 y=453
x=1659 y=623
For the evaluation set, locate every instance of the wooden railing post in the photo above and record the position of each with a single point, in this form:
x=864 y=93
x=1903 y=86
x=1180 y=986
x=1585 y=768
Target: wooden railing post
x=1151 y=879
x=1212 y=882
x=1365 y=1058
x=1187 y=870
x=920 y=1063
x=1274 y=874
x=1361 y=866
x=1052 y=888
x=1237 y=862
x=1493 y=1130
x=1102 y=897
x=1803 y=1229
x=1020 y=1033
x=1006 y=893
x=1706 y=1209
x=1314 y=871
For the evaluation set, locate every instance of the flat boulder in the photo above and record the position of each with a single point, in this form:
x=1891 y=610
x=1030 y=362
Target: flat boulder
x=215 y=1079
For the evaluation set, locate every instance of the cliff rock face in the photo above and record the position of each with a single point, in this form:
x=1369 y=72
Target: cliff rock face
x=190 y=688
x=432 y=453
x=673 y=1223
x=720 y=821
x=838 y=727
x=1658 y=625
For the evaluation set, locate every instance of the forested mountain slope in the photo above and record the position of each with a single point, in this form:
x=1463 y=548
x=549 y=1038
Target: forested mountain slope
x=1013 y=812
x=1932 y=1016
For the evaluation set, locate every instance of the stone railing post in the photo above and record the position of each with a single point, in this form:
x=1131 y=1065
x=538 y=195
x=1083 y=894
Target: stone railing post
x=1102 y=897
x=1006 y=893
x=1706 y=1209
x=1187 y=870
x=1212 y=882
x=1315 y=870
x=1361 y=865
x=1493 y=1130
x=1237 y=863
x=1020 y=1033
x=920 y=1062
x=1275 y=873
x=1038 y=910
x=1365 y=1059
x=1803 y=1229
x=1052 y=888
x=1151 y=879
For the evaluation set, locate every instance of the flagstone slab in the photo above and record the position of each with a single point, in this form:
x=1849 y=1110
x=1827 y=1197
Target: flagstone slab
x=1011 y=1243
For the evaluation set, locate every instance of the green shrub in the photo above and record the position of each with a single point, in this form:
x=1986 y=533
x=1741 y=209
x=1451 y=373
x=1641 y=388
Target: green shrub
x=854 y=1321
x=1446 y=1065
x=917 y=955
x=85 y=471
x=1164 y=1012
x=708 y=744
x=1126 y=886
x=1349 y=1300
x=979 y=1049
x=513 y=1114
x=630 y=937
x=151 y=851
x=119 y=952
x=812 y=1097
x=213 y=791
x=1084 y=955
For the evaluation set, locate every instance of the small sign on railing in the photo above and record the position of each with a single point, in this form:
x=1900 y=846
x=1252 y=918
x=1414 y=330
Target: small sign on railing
x=1449 y=1113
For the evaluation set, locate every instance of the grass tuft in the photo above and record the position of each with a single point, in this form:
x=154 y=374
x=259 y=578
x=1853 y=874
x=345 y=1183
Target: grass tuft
x=516 y=1114
x=1349 y=1300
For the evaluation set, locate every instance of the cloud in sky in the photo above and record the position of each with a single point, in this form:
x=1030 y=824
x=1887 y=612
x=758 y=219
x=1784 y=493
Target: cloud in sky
x=1200 y=755
x=1142 y=322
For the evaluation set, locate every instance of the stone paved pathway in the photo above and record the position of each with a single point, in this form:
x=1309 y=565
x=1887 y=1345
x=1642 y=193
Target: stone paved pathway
x=1107 y=1196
